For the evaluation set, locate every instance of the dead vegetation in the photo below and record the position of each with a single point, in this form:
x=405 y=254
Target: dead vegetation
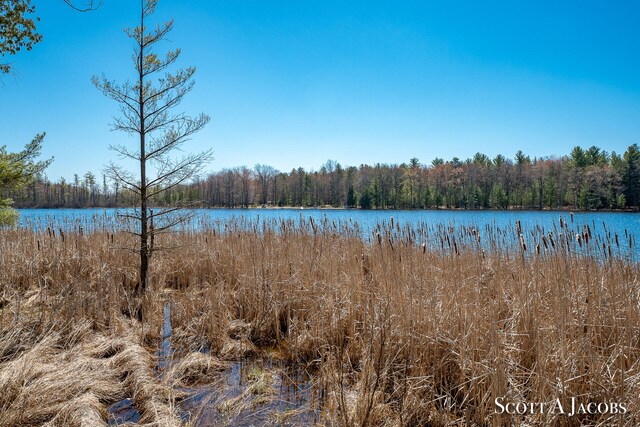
x=70 y=374
x=408 y=326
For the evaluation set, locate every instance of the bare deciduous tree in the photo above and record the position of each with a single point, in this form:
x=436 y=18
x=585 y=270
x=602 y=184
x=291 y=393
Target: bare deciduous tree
x=265 y=175
x=146 y=107
x=84 y=7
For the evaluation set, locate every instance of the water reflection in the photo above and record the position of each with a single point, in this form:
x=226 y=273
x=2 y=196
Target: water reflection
x=256 y=391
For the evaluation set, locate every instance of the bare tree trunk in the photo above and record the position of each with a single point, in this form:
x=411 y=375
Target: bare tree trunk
x=540 y=191
x=144 y=248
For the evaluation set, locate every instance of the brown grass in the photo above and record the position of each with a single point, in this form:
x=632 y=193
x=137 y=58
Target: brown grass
x=68 y=377
x=401 y=333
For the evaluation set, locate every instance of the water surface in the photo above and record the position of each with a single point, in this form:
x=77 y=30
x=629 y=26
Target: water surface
x=624 y=224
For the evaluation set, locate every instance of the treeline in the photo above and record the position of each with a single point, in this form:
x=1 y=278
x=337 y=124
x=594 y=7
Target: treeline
x=584 y=179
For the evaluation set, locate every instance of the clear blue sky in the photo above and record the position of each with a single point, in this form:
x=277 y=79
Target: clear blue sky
x=294 y=83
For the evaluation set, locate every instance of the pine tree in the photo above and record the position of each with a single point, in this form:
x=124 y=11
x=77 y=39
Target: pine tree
x=16 y=171
x=146 y=112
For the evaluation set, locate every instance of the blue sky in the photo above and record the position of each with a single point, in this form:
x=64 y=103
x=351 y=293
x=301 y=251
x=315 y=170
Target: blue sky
x=294 y=83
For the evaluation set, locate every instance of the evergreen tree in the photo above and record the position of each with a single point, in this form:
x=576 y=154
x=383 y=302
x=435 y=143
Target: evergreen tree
x=146 y=108
x=631 y=175
x=16 y=171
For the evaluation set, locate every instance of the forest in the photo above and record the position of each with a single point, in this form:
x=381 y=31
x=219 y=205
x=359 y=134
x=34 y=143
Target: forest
x=279 y=318
x=584 y=179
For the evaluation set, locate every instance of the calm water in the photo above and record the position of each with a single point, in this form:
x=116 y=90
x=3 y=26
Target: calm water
x=626 y=225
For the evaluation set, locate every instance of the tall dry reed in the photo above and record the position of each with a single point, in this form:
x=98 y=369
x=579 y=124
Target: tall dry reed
x=405 y=326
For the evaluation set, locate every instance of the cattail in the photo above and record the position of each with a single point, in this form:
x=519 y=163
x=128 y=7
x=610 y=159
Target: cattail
x=617 y=242
x=365 y=264
x=561 y=223
x=391 y=243
x=524 y=245
x=379 y=238
x=518 y=227
x=538 y=248
x=571 y=215
x=424 y=248
x=544 y=242
x=579 y=239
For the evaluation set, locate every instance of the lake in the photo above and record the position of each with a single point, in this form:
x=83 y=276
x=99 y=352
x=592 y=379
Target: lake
x=624 y=224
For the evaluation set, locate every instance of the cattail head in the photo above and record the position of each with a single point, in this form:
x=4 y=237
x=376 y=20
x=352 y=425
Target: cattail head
x=365 y=264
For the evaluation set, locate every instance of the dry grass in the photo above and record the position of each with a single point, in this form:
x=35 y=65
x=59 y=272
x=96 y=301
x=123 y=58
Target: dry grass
x=401 y=333
x=68 y=378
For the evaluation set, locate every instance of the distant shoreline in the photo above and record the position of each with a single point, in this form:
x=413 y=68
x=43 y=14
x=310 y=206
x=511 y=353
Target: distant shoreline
x=333 y=208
